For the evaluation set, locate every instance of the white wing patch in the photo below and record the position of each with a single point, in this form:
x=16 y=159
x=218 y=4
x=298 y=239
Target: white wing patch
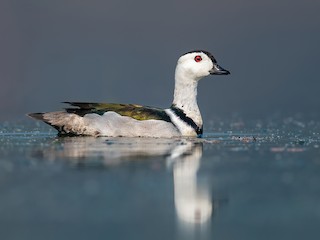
x=113 y=125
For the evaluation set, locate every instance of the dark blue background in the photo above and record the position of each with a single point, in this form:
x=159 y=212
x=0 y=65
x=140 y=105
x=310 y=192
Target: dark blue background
x=126 y=51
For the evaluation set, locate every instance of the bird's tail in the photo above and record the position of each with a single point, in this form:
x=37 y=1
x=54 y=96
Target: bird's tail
x=37 y=116
x=66 y=123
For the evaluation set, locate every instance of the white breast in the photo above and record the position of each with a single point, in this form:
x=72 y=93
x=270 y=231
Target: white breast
x=184 y=128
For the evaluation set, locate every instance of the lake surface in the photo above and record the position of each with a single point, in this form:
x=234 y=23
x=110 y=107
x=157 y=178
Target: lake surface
x=242 y=180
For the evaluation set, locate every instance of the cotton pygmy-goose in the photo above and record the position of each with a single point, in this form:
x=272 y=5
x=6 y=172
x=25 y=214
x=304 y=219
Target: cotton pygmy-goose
x=183 y=118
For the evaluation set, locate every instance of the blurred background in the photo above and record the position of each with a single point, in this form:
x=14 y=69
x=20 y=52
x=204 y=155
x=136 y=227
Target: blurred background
x=126 y=51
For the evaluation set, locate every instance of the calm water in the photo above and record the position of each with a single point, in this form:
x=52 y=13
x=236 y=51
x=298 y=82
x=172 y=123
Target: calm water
x=256 y=180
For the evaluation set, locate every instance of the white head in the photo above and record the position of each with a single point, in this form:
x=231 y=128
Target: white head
x=198 y=64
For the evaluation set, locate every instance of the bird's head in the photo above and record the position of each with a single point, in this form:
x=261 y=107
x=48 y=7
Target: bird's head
x=198 y=64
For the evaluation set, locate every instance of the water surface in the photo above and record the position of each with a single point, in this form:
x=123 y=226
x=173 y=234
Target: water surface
x=256 y=180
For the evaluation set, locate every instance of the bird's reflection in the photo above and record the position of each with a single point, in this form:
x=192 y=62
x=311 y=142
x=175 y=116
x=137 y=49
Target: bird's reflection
x=192 y=201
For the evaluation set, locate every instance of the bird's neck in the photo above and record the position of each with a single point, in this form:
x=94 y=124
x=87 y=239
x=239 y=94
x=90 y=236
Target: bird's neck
x=185 y=96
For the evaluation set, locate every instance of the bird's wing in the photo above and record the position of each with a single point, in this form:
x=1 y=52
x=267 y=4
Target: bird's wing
x=137 y=112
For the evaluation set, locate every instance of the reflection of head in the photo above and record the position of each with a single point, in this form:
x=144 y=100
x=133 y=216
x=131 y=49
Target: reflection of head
x=192 y=202
x=195 y=209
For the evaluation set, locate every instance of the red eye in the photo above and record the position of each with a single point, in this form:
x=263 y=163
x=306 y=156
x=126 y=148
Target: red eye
x=198 y=58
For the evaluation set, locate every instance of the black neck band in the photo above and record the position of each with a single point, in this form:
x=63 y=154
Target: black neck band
x=180 y=113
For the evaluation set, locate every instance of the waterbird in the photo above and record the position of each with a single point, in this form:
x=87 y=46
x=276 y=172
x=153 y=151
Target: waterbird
x=182 y=118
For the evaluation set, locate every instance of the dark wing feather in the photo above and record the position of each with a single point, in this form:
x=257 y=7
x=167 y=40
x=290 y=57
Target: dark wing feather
x=137 y=112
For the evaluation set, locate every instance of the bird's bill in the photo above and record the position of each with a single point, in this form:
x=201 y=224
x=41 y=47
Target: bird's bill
x=217 y=70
